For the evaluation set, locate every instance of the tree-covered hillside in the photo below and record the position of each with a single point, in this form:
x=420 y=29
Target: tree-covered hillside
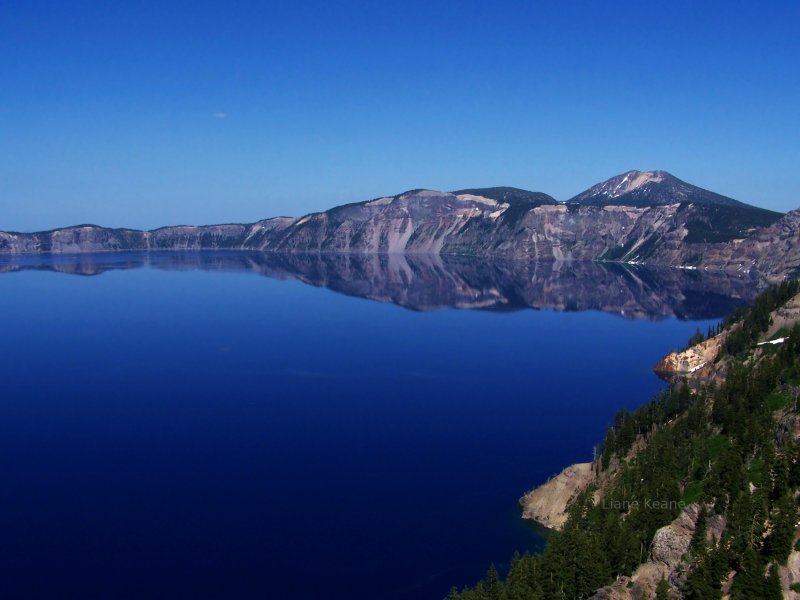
x=726 y=455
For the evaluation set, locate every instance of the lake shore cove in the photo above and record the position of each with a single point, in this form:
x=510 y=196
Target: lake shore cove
x=695 y=494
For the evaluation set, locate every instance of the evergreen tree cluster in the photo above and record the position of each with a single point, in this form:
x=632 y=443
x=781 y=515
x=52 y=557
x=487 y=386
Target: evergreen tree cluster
x=754 y=320
x=716 y=447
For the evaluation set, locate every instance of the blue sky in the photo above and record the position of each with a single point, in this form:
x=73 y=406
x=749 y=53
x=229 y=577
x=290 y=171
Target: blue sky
x=149 y=113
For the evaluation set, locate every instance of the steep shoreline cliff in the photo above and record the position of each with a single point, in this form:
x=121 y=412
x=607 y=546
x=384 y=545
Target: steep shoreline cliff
x=547 y=504
x=695 y=494
x=656 y=221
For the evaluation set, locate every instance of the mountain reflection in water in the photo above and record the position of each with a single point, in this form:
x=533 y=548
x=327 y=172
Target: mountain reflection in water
x=428 y=282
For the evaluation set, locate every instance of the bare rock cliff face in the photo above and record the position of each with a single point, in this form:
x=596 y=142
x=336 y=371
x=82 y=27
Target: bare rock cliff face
x=508 y=225
x=415 y=222
x=772 y=251
x=547 y=504
x=93 y=238
x=694 y=363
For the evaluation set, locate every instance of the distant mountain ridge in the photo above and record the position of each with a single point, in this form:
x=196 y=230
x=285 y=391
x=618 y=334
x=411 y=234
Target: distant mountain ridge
x=511 y=195
x=647 y=217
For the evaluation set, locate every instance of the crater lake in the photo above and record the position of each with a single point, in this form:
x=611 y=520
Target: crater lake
x=247 y=425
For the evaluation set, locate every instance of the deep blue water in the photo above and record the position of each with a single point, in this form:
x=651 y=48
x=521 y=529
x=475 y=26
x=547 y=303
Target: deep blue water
x=218 y=434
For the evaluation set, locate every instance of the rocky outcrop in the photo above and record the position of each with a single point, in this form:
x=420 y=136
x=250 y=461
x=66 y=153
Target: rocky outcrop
x=669 y=551
x=547 y=504
x=694 y=363
x=784 y=317
x=788 y=422
x=773 y=252
x=789 y=575
x=700 y=364
x=672 y=541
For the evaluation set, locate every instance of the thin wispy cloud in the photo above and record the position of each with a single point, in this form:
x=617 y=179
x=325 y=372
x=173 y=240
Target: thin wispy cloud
x=219 y=115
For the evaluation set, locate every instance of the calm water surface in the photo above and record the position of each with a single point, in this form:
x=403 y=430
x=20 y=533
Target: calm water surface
x=207 y=432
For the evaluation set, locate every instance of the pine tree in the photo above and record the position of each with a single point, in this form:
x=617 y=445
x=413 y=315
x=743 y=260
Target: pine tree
x=698 y=544
x=662 y=590
x=494 y=588
x=779 y=542
x=772 y=585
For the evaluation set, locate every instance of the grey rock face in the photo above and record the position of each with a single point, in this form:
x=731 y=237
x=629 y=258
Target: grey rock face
x=690 y=231
x=773 y=252
x=671 y=542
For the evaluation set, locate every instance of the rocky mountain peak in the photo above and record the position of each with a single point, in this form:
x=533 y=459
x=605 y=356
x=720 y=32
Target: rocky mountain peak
x=630 y=181
x=652 y=188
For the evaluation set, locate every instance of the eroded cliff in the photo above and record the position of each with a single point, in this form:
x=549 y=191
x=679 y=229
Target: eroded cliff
x=695 y=229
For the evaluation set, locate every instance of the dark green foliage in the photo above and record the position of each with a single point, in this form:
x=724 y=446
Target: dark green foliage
x=753 y=321
x=45 y=242
x=696 y=338
x=618 y=252
x=648 y=247
x=716 y=445
x=779 y=543
x=700 y=586
x=662 y=590
x=699 y=543
x=494 y=588
x=752 y=582
x=713 y=224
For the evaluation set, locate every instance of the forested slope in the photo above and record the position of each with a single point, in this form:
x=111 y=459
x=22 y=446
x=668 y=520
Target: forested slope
x=696 y=492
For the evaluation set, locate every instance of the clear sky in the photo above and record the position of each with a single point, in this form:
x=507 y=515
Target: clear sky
x=150 y=113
